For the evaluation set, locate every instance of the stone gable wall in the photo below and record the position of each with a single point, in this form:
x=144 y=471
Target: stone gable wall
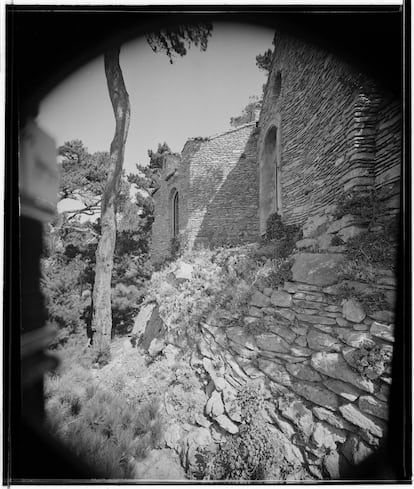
x=173 y=176
x=223 y=189
x=332 y=130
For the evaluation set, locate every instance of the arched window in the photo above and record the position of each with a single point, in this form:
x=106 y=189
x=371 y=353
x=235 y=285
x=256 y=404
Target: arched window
x=175 y=215
x=269 y=185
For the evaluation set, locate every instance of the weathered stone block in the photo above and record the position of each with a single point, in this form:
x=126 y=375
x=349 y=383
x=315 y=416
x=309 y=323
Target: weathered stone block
x=255 y=312
x=326 y=436
x=282 y=331
x=322 y=341
x=356 y=339
x=275 y=371
x=314 y=319
x=343 y=389
x=363 y=421
x=259 y=300
x=331 y=418
x=370 y=405
x=303 y=372
x=316 y=394
x=316 y=269
x=333 y=365
x=315 y=225
x=352 y=310
x=242 y=337
x=280 y=298
x=272 y=342
x=297 y=412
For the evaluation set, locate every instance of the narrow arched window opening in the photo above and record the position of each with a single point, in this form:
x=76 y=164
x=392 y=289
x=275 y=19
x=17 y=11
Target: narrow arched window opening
x=175 y=215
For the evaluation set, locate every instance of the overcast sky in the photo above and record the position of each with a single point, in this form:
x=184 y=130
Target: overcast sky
x=195 y=96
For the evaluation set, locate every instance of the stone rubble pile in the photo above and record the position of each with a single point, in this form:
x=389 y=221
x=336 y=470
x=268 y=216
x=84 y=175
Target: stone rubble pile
x=324 y=363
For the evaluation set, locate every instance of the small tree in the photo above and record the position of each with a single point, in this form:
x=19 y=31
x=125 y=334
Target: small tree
x=172 y=42
x=248 y=114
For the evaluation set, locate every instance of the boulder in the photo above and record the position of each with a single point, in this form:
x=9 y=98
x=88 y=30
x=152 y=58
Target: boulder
x=156 y=347
x=184 y=272
x=322 y=341
x=227 y=425
x=215 y=406
x=144 y=315
x=280 y=298
x=336 y=226
x=333 y=365
x=315 y=225
x=316 y=269
x=259 y=300
x=352 y=311
x=154 y=328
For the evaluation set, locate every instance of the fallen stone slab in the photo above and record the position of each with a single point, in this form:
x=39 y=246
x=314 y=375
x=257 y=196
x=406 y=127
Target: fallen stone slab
x=316 y=268
x=352 y=310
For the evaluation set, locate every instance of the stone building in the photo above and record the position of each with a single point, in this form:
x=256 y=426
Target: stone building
x=324 y=128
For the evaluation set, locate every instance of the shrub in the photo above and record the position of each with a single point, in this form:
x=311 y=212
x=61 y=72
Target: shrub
x=106 y=431
x=282 y=235
x=372 y=361
x=250 y=454
x=377 y=248
x=358 y=203
x=371 y=300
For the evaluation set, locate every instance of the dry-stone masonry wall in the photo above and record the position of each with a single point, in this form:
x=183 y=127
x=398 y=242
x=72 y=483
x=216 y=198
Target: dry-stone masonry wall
x=324 y=360
x=217 y=182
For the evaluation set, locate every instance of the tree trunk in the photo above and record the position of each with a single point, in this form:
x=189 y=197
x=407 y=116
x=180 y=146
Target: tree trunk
x=102 y=313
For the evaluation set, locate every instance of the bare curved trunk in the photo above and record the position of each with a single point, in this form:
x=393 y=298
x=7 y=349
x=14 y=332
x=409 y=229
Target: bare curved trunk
x=102 y=314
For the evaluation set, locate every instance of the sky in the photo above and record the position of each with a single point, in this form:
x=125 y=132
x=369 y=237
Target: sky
x=195 y=96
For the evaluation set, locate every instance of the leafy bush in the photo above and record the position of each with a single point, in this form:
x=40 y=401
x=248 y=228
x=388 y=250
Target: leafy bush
x=250 y=454
x=372 y=361
x=377 y=248
x=358 y=203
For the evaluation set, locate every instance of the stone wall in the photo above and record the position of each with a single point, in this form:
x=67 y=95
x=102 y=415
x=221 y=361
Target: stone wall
x=388 y=156
x=217 y=180
x=336 y=130
x=174 y=177
x=223 y=197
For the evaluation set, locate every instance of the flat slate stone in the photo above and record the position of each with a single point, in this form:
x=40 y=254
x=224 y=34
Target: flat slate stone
x=322 y=341
x=303 y=372
x=316 y=394
x=317 y=268
x=363 y=421
x=346 y=391
x=370 y=405
x=272 y=342
x=239 y=335
x=275 y=371
x=333 y=365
